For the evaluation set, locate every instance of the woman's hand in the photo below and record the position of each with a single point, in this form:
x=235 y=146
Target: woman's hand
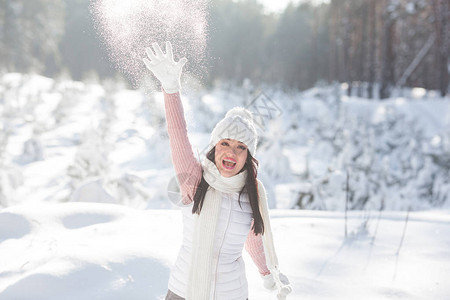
x=269 y=281
x=165 y=69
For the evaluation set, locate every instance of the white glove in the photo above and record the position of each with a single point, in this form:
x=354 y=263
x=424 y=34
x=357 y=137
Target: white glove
x=269 y=282
x=165 y=69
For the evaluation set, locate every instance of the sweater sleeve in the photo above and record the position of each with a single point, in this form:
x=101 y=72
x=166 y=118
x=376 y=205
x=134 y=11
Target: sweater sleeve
x=187 y=167
x=254 y=246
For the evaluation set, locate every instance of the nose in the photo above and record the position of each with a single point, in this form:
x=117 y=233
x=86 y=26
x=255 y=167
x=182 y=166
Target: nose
x=236 y=150
x=232 y=151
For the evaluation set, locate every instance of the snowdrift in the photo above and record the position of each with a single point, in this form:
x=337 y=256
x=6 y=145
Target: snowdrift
x=92 y=251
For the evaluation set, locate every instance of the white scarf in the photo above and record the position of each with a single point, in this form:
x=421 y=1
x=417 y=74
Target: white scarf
x=202 y=261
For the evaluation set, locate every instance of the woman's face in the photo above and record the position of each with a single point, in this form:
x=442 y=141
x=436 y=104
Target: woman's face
x=230 y=157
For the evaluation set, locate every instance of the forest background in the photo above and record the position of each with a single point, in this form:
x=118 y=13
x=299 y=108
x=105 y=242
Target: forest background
x=371 y=45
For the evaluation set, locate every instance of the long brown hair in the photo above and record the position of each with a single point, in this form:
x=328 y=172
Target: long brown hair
x=251 y=187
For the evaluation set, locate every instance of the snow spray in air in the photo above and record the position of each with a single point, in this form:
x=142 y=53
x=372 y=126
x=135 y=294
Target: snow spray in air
x=127 y=27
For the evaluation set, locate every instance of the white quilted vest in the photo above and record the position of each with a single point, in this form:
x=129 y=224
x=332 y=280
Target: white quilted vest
x=230 y=282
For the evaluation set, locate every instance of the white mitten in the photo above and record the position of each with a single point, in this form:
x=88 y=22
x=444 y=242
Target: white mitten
x=268 y=282
x=165 y=69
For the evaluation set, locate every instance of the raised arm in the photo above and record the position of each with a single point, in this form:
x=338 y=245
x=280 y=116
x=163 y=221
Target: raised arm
x=168 y=72
x=187 y=167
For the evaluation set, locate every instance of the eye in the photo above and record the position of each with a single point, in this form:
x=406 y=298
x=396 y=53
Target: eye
x=242 y=147
x=224 y=143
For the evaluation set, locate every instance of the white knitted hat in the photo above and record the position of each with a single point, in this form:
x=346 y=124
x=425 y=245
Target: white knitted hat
x=237 y=125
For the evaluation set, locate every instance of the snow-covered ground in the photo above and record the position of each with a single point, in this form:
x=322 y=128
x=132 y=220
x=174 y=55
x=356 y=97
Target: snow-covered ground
x=92 y=251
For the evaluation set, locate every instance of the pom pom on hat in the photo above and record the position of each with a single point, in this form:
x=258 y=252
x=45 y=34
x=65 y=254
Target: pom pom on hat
x=237 y=125
x=241 y=112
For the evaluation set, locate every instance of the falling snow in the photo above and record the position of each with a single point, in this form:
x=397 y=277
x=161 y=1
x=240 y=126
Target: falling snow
x=128 y=27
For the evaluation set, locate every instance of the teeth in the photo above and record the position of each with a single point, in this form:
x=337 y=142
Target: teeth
x=229 y=164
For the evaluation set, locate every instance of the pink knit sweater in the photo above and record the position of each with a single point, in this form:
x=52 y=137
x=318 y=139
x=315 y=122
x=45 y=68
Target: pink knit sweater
x=189 y=170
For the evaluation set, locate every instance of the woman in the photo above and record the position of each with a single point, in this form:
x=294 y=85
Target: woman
x=223 y=204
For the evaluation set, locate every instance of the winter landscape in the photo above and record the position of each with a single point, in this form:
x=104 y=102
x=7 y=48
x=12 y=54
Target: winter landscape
x=354 y=144
x=68 y=144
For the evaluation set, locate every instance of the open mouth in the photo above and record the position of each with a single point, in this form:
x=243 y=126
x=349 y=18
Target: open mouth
x=229 y=163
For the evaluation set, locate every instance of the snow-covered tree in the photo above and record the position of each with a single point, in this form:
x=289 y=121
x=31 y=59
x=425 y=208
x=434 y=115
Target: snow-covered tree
x=390 y=162
x=33 y=149
x=91 y=159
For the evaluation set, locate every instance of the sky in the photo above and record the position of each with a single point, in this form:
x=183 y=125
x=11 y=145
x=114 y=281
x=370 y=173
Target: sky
x=279 y=5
